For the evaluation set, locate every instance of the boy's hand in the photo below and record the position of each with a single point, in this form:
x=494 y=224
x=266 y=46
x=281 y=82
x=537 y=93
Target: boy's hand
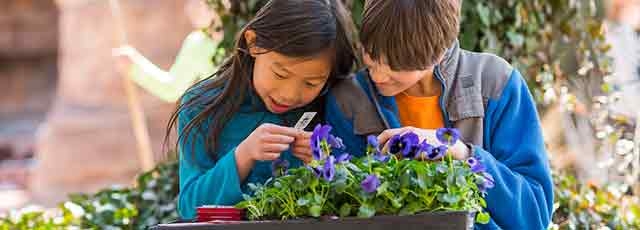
x=459 y=150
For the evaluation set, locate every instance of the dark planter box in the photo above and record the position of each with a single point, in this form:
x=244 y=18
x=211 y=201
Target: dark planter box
x=435 y=221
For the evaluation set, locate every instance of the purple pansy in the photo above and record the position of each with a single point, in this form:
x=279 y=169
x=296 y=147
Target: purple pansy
x=487 y=182
x=373 y=145
x=437 y=152
x=329 y=169
x=322 y=142
x=413 y=152
x=448 y=136
x=320 y=133
x=378 y=156
x=395 y=144
x=316 y=171
x=424 y=150
x=317 y=153
x=372 y=141
x=279 y=167
x=335 y=142
x=475 y=165
x=406 y=144
x=410 y=142
x=345 y=157
x=370 y=183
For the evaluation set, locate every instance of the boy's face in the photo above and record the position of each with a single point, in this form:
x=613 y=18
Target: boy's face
x=389 y=82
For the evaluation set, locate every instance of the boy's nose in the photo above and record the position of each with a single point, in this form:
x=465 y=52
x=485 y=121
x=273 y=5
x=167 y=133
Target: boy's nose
x=380 y=78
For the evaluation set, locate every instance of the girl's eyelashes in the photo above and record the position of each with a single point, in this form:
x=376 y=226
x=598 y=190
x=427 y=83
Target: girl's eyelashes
x=278 y=76
x=307 y=84
x=311 y=85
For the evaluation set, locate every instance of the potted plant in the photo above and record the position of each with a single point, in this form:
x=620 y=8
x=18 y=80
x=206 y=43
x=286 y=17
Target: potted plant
x=408 y=183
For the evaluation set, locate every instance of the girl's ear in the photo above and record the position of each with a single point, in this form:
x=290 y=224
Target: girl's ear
x=250 y=37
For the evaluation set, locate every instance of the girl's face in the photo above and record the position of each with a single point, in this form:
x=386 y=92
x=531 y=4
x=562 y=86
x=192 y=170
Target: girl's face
x=285 y=83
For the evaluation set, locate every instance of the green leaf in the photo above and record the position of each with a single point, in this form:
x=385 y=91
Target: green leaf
x=483 y=217
x=340 y=185
x=314 y=182
x=300 y=185
x=450 y=180
x=396 y=203
x=461 y=181
x=515 y=39
x=483 y=13
x=356 y=13
x=353 y=167
x=405 y=180
x=383 y=188
x=318 y=199
x=366 y=211
x=410 y=209
x=421 y=181
x=315 y=210
x=449 y=198
x=345 y=210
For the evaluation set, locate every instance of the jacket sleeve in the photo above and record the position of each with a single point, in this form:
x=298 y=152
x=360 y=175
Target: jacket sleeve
x=203 y=181
x=514 y=154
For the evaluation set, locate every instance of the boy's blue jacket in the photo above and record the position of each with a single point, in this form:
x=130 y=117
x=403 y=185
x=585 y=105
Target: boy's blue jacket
x=489 y=102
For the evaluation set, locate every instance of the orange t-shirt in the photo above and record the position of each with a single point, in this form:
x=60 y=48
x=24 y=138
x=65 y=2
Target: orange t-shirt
x=419 y=112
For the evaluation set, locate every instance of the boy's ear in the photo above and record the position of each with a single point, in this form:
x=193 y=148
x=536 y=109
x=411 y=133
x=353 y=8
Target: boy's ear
x=250 y=37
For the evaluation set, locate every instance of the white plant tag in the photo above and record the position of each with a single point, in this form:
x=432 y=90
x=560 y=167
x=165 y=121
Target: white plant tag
x=304 y=120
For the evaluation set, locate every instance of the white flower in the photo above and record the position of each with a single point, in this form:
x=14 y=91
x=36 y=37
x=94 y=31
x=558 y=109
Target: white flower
x=76 y=210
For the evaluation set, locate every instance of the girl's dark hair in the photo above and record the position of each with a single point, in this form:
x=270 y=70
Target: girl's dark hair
x=294 y=28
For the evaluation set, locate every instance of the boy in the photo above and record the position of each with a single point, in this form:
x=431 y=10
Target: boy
x=419 y=79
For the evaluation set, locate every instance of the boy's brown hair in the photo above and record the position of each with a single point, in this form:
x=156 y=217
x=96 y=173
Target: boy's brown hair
x=409 y=35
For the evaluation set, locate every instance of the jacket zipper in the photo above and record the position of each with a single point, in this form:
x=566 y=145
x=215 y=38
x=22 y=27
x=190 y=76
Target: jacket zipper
x=445 y=115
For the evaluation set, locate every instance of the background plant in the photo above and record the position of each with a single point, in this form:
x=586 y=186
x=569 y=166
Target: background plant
x=588 y=206
x=557 y=44
x=150 y=202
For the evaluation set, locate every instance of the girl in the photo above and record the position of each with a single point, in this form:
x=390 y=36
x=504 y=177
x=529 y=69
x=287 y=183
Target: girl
x=234 y=124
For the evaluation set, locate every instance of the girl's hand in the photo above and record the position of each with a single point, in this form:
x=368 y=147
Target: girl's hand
x=459 y=150
x=302 y=147
x=266 y=143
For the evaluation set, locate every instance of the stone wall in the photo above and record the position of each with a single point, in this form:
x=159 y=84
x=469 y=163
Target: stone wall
x=28 y=28
x=28 y=53
x=28 y=73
